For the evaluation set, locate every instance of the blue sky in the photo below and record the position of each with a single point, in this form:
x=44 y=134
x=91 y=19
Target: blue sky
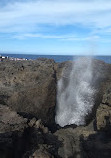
x=62 y=27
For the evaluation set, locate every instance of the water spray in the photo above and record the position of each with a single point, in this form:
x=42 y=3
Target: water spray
x=76 y=100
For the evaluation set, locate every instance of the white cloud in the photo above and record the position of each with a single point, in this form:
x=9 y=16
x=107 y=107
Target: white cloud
x=67 y=37
x=31 y=35
x=27 y=16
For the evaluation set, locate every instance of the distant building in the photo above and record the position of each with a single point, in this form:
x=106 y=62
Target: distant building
x=2 y=58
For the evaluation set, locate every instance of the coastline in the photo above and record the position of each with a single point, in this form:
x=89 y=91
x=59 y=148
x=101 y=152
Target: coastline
x=57 y=58
x=27 y=112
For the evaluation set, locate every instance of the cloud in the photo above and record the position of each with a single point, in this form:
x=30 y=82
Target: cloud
x=27 y=16
x=31 y=35
x=67 y=37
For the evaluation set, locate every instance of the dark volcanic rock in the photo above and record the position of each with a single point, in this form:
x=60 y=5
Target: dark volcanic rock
x=103 y=115
x=28 y=98
x=11 y=133
x=41 y=153
x=29 y=88
x=23 y=138
x=96 y=145
x=10 y=120
x=107 y=96
x=70 y=143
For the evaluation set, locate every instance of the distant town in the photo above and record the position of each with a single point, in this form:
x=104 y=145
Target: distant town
x=5 y=58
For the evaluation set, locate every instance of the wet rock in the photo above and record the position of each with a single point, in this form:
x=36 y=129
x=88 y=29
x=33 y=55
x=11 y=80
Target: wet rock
x=107 y=96
x=70 y=143
x=103 y=117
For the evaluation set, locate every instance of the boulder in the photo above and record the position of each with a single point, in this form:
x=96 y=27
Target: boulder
x=12 y=127
x=32 y=122
x=103 y=117
x=41 y=153
x=19 y=137
x=71 y=141
x=107 y=96
x=10 y=120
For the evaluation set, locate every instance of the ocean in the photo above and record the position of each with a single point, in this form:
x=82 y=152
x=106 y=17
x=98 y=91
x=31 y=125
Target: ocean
x=57 y=58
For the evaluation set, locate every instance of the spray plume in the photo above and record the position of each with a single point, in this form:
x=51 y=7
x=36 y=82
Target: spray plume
x=75 y=101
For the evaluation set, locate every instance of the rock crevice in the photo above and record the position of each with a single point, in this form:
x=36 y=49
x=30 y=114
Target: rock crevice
x=27 y=113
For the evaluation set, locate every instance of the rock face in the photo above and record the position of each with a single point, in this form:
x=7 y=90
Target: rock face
x=23 y=138
x=27 y=107
x=41 y=153
x=107 y=96
x=11 y=131
x=10 y=120
x=103 y=115
x=29 y=88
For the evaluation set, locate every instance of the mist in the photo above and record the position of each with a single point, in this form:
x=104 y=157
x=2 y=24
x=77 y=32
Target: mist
x=76 y=99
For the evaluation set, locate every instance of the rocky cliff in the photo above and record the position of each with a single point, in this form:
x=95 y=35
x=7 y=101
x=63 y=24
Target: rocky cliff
x=29 y=88
x=27 y=113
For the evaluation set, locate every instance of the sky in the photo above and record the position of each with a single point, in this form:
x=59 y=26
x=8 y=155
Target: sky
x=57 y=27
